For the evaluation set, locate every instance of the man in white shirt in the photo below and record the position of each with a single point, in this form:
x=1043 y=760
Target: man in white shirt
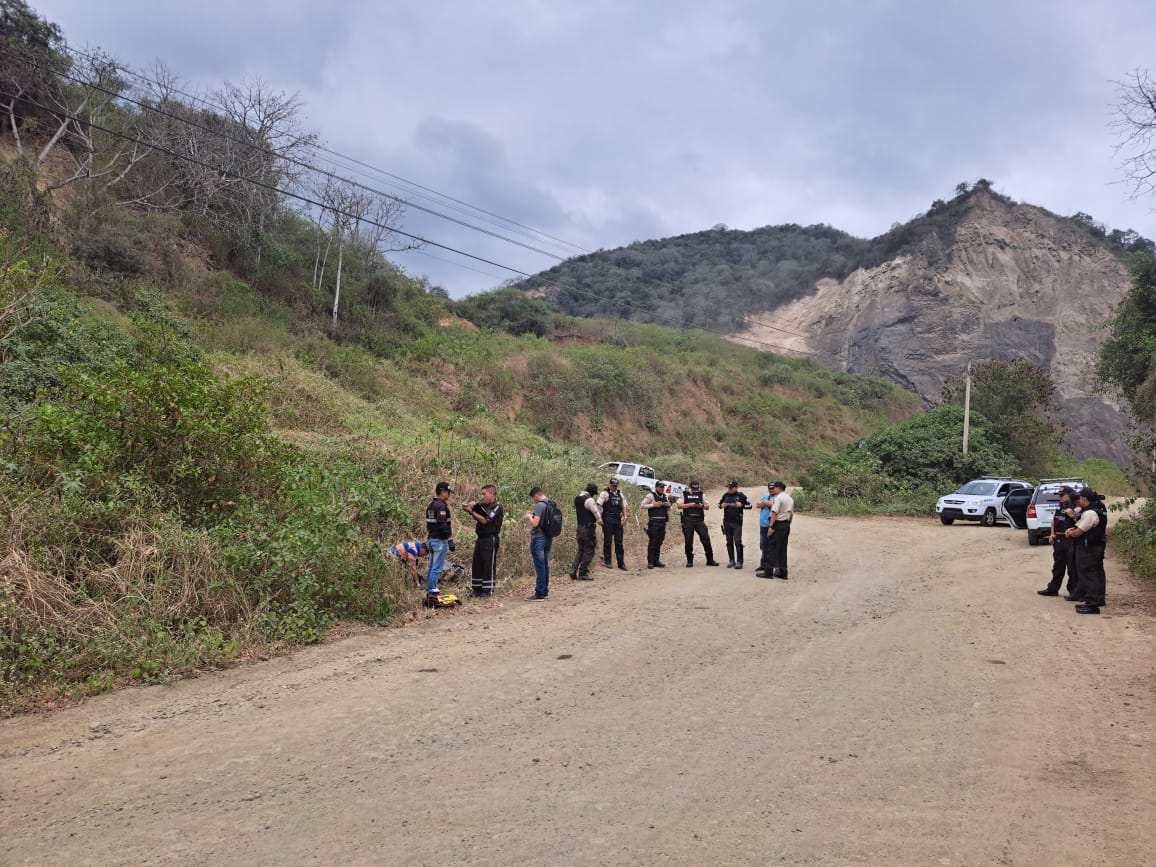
x=778 y=532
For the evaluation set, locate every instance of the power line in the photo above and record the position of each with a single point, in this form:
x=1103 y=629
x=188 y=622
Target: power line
x=351 y=161
x=307 y=200
x=270 y=152
x=287 y=158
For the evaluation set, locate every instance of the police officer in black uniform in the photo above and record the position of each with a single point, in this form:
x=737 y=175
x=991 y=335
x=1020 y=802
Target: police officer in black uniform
x=693 y=508
x=1063 y=548
x=1090 y=536
x=613 y=512
x=588 y=517
x=657 y=505
x=489 y=515
x=733 y=504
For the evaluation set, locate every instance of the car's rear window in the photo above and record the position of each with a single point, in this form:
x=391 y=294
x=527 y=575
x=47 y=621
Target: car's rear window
x=981 y=489
x=1044 y=496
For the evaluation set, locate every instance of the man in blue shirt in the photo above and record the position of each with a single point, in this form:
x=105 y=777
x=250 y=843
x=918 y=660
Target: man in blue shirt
x=764 y=520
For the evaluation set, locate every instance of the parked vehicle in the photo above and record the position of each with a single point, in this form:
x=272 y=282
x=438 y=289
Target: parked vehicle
x=1043 y=505
x=634 y=473
x=983 y=500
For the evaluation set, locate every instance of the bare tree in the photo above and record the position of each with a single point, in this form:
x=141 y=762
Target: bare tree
x=270 y=150
x=1136 y=124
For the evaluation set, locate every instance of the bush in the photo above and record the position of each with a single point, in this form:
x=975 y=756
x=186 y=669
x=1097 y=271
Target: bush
x=192 y=439
x=905 y=468
x=509 y=310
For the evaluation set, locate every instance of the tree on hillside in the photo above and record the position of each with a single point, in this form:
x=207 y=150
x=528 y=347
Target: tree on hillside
x=31 y=56
x=1128 y=357
x=1016 y=397
x=1136 y=124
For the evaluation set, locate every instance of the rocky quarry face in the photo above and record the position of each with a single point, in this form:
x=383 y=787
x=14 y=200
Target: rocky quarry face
x=1016 y=284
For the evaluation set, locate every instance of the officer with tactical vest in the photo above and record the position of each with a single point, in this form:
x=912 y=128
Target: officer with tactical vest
x=613 y=505
x=1090 y=536
x=1063 y=548
x=693 y=508
x=657 y=505
x=733 y=503
x=588 y=517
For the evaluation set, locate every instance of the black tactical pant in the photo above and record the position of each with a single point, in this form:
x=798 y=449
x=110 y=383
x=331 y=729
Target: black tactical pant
x=1063 y=560
x=485 y=571
x=689 y=529
x=656 y=530
x=734 y=535
x=1090 y=568
x=612 y=532
x=583 y=557
x=775 y=554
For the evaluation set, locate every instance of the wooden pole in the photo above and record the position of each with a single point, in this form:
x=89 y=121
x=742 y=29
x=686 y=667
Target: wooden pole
x=966 y=407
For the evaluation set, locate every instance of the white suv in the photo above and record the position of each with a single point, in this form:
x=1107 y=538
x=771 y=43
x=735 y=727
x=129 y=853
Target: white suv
x=1043 y=507
x=979 y=500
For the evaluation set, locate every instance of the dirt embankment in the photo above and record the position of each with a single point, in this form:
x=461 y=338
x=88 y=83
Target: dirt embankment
x=905 y=698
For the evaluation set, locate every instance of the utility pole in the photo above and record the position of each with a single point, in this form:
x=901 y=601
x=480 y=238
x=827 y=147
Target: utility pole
x=966 y=407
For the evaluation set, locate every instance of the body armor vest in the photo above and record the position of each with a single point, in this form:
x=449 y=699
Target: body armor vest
x=585 y=516
x=612 y=508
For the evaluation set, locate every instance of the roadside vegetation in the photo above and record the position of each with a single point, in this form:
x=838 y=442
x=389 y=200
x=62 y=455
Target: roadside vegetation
x=1128 y=363
x=201 y=462
x=906 y=468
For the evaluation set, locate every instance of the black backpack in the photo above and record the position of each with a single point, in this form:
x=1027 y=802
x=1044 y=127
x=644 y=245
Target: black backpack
x=551 y=522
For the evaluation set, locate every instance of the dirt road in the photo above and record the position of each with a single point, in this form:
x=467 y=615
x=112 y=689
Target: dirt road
x=906 y=698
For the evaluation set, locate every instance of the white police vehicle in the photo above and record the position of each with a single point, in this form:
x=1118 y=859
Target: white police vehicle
x=635 y=473
x=987 y=500
x=1042 y=508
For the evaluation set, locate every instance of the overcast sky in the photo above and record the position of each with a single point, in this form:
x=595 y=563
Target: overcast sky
x=609 y=121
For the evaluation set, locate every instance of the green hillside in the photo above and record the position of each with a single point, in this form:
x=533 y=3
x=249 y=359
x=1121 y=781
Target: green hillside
x=194 y=467
x=716 y=278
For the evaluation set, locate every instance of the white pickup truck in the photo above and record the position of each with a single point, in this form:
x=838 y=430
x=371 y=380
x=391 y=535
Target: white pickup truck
x=634 y=473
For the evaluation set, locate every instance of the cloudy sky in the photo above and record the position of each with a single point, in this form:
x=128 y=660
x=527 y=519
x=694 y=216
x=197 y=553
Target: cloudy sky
x=609 y=121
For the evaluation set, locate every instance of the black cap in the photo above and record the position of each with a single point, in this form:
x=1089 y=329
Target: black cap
x=732 y=484
x=782 y=485
x=592 y=489
x=694 y=486
x=443 y=486
x=1067 y=491
x=1090 y=494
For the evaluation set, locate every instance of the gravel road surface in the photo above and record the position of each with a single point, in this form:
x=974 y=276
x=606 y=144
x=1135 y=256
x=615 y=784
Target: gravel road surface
x=905 y=698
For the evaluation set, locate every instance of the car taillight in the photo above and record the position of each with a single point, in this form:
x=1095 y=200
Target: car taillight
x=1032 y=510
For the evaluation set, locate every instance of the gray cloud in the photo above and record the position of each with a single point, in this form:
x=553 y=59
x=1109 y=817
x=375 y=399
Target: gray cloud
x=606 y=122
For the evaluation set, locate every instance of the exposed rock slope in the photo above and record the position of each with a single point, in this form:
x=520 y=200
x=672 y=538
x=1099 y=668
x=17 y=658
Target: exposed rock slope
x=1016 y=282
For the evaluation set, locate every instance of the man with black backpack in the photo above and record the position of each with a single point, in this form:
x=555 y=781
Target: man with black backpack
x=545 y=520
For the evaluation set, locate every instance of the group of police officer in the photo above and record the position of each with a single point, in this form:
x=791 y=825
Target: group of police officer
x=608 y=509
x=776 y=512
x=1078 y=536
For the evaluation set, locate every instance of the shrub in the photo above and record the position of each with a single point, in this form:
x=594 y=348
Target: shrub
x=197 y=441
x=903 y=469
x=508 y=310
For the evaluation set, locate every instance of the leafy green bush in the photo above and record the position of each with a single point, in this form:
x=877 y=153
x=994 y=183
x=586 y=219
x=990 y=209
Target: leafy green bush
x=508 y=310
x=905 y=468
x=1135 y=539
x=195 y=440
